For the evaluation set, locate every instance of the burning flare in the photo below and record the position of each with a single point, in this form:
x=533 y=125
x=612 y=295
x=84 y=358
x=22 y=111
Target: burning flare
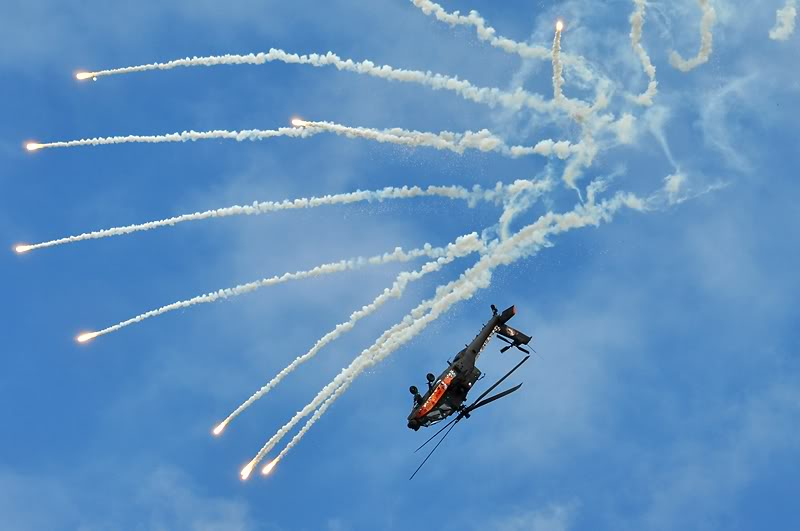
x=80 y=76
x=83 y=338
x=22 y=248
x=33 y=146
x=297 y=122
x=220 y=427
x=247 y=470
x=269 y=466
x=559 y=25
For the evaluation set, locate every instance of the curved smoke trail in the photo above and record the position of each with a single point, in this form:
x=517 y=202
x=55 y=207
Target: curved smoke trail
x=488 y=34
x=464 y=245
x=637 y=23
x=706 y=40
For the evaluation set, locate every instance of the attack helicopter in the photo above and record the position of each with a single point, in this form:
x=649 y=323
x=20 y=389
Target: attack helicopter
x=447 y=394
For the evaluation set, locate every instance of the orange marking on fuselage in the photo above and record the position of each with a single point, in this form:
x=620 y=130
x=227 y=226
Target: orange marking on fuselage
x=436 y=395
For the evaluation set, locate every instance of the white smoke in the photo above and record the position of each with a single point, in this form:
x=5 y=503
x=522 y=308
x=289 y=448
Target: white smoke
x=637 y=22
x=483 y=140
x=519 y=200
x=706 y=39
x=185 y=136
x=784 y=21
x=625 y=128
x=558 y=80
x=489 y=34
x=525 y=242
x=398 y=255
x=471 y=196
x=463 y=246
x=490 y=96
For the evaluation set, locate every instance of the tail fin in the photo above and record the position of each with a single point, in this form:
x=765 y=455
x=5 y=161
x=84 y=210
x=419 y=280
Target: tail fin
x=517 y=337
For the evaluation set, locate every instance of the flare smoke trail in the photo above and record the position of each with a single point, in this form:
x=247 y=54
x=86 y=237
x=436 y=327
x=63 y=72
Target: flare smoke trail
x=398 y=255
x=637 y=23
x=558 y=80
x=473 y=196
x=784 y=21
x=524 y=243
x=519 y=200
x=239 y=136
x=577 y=109
x=463 y=246
x=489 y=34
x=706 y=38
x=489 y=96
x=483 y=140
x=562 y=149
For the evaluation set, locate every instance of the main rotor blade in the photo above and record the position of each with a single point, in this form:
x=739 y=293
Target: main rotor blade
x=491 y=399
x=434 y=449
x=498 y=382
x=455 y=419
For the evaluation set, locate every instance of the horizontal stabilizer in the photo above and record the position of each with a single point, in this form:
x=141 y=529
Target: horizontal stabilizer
x=517 y=337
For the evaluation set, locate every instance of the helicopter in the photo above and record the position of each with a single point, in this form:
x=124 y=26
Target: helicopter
x=447 y=394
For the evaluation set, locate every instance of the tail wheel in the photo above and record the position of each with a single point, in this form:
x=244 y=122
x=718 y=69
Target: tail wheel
x=430 y=377
x=413 y=390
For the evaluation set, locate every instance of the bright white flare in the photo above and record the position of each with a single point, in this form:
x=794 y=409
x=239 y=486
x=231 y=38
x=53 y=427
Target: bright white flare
x=80 y=76
x=19 y=249
x=269 y=466
x=33 y=146
x=297 y=122
x=219 y=428
x=247 y=470
x=83 y=338
x=559 y=26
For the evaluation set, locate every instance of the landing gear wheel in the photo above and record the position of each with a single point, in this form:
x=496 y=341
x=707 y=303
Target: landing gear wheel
x=430 y=377
x=413 y=390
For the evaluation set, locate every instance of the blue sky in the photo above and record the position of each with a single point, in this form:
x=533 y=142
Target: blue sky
x=665 y=394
